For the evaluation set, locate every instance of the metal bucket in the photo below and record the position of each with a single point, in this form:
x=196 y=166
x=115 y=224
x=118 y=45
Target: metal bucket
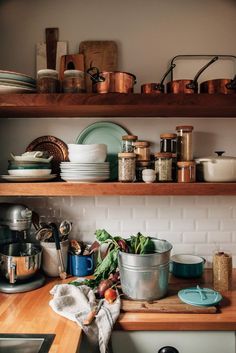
x=145 y=276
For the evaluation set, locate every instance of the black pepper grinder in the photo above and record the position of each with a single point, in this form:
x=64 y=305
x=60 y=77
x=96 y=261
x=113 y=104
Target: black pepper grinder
x=168 y=349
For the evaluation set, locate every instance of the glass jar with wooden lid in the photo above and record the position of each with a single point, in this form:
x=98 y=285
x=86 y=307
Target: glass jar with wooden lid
x=127 y=143
x=126 y=167
x=163 y=166
x=168 y=143
x=142 y=150
x=184 y=143
x=186 y=171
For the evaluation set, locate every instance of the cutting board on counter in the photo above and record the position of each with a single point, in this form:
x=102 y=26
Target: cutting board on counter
x=169 y=304
x=101 y=54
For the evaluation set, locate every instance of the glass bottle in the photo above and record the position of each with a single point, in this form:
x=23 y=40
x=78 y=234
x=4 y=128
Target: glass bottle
x=126 y=167
x=184 y=143
x=168 y=143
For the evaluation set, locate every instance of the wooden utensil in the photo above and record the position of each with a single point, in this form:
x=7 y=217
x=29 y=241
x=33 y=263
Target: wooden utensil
x=91 y=315
x=71 y=62
x=41 y=50
x=52 y=35
x=101 y=54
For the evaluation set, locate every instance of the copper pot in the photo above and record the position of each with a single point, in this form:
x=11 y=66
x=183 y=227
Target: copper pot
x=156 y=88
x=111 y=81
x=225 y=86
x=188 y=86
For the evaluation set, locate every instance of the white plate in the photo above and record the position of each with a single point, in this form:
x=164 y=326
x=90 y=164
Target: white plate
x=29 y=172
x=84 y=180
x=24 y=178
x=85 y=164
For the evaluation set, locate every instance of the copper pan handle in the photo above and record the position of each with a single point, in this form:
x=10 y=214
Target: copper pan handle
x=192 y=85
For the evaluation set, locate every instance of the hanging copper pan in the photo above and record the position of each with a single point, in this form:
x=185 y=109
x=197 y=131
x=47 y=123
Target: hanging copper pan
x=188 y=86
x=225 y=86
x=156 y=88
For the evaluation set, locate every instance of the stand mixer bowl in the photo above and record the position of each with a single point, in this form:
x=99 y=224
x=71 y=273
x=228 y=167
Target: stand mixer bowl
x=20 y=261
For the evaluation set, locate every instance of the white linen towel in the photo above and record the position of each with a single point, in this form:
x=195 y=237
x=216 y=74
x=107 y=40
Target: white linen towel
x=75 y=303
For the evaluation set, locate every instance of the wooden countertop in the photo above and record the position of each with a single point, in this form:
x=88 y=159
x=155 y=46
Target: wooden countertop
x=30 y=313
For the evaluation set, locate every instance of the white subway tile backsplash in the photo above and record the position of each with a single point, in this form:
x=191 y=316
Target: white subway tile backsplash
x=195 y=212
x=207 y=224
x=182 y=225
x=193 y=224
x=169 y=212
x=157 y=201
x=194 y=237
x=219 y=237
x=228 y=224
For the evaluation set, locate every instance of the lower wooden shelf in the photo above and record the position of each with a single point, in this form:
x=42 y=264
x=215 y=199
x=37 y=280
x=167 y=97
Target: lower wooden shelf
x=115 y=188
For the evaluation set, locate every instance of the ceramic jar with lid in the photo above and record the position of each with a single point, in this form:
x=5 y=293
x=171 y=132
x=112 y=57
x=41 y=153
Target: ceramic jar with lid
x=127 y=143
x=73 y=82
x=126 y=167
x=47 y=81
x=163 y=166
x=142 y=150
x=184 y=143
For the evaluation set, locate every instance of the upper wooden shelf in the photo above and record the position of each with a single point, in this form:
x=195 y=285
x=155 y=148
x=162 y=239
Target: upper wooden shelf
x=115 y=188
x=117 y=105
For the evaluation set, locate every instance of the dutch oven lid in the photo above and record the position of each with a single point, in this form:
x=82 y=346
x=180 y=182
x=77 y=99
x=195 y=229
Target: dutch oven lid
x=213 y=159
x=200 y=296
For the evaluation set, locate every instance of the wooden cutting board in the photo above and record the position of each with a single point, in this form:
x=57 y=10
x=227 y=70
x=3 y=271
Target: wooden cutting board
x=170 y=304
x=41 y=53
x=101 y=54
x=71 y=62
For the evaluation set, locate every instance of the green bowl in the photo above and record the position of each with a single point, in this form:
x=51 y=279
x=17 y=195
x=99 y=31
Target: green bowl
x=187 y=266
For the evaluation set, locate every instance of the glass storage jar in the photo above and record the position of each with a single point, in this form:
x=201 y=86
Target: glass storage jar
x=163 y=166
x=168 y=143
x=140 y=166
x=47 y=81
x=142 y=150
x=184 y=143
x=186 y=171
x=127 y=143
x=73 y=82
x=126 y=167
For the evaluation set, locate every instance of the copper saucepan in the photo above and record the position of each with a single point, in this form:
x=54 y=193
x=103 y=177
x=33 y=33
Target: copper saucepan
x=156 y=88
x=188 y=86
x=111 y=81
x=225 y=86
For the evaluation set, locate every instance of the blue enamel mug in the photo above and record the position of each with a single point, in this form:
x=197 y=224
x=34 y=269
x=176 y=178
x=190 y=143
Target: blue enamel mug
x=80 y=265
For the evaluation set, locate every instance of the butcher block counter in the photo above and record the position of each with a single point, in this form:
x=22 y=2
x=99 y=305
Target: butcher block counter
x=30 y=313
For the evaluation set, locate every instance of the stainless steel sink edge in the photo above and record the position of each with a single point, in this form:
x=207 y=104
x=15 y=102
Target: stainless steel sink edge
x=47 y=339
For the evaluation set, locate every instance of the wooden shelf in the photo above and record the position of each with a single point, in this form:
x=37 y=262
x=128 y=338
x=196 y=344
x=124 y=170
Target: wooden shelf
x=116 y=188
x=117 y=105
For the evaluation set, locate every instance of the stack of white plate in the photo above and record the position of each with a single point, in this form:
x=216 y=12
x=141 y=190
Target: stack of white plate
x=15 y=82
x=85 y=172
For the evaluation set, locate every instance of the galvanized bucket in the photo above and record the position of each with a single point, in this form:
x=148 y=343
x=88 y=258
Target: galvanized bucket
x=145 y=276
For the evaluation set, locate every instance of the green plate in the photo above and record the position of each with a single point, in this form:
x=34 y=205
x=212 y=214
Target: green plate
x=108 y=133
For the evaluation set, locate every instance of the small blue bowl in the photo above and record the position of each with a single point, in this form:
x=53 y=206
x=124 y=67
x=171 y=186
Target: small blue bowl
x=187 y=266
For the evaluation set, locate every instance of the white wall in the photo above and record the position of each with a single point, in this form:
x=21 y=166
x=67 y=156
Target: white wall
x=149 y=33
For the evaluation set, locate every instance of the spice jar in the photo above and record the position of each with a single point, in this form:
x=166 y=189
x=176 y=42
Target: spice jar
x=73 y=82
x=222 y=271
x=163 y=166
x=184 y=143
x=186 y=172
x=126 y=167
x=168 y=143
x=47 y=81
x=142 y=150
x=127 y=143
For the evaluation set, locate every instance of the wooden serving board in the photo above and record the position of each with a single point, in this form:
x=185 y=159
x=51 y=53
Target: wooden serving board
x=71 y=62
x=170 y=304
x=101 y=54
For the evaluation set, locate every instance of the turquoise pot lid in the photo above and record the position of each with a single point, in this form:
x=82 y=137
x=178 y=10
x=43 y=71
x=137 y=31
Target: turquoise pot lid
x=200 y=296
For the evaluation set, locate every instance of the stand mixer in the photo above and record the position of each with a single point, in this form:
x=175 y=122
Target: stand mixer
x=20 y=259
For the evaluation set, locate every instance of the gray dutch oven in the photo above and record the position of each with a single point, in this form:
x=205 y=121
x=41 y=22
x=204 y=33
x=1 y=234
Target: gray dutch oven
x=187 y=266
